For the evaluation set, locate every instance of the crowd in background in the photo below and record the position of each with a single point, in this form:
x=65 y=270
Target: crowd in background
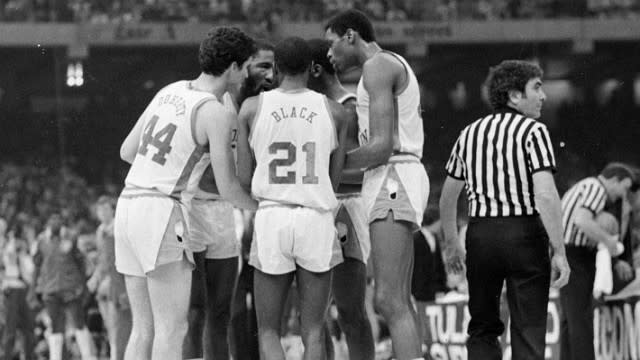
x=109 y=11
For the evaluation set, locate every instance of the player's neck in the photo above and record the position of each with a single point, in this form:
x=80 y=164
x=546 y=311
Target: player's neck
x=216 y=85
x=370 y=49
x=293 y=83
x=335 y=90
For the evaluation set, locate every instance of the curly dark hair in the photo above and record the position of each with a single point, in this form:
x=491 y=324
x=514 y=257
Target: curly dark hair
x=222 y=47
x=507 y=76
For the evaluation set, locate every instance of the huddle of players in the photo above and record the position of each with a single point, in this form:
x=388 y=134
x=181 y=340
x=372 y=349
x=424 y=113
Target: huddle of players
x=328 y=187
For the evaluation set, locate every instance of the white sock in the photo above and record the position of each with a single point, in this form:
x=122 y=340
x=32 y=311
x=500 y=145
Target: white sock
x=85 y=344
x=55 y=342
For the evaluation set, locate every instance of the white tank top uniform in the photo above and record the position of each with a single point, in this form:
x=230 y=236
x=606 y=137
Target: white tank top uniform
x=400 y=186
x=292 y=137
x=211 y=219
x=351 y=219
x=150 y=217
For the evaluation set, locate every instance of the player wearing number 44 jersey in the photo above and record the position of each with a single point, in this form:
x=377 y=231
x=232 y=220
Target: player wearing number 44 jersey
x=166 y=149
x=296 y=136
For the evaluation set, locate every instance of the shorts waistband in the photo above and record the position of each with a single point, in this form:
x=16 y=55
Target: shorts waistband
x=265 y=204
x=401 y=158
x=131 y=193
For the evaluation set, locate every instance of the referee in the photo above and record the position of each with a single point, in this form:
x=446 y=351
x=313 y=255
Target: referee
x=582 y=206
x=506 y=161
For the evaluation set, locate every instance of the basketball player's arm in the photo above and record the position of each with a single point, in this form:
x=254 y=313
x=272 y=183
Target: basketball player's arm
x=585 y=220
x=130 y=144
x=548 y=204
x=341 y=120
x=378 y=76
x=351 y=176
x=452 y=249
x=218 y=134
x=246 y=161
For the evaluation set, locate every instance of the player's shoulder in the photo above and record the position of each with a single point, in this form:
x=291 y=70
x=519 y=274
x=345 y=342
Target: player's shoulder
x=382 y=60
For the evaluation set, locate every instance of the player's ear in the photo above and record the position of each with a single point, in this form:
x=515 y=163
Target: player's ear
x=315 y=70
x=351 y=35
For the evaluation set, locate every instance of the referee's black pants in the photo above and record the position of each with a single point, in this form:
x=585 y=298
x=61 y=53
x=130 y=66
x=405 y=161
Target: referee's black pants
x=576 y=316
x=515 y=249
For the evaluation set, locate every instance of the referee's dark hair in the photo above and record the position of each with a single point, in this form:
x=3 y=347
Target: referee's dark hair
x=355 y=20
x=223 y=46
x=619 y=171
x=319 y=50
x=509 y=75
x=292 y=56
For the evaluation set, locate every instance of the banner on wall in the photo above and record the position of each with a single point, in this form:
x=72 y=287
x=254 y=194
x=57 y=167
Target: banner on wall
x=444 y=326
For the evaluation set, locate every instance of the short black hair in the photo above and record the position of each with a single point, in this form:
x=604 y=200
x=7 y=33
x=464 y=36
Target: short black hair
x=262 y=44
x=222 y=47
x=618 y=170
x=292 y=56
x=509 y=75
x=319 y=50
x=352 y=19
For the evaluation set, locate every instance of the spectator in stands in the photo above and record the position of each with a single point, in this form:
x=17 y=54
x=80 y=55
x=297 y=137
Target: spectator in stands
x=60 y=282
x=18 y=268
x=108 y=284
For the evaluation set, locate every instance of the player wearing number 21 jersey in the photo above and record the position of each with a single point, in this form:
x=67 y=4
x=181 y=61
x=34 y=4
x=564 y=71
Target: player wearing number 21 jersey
x=297 y=137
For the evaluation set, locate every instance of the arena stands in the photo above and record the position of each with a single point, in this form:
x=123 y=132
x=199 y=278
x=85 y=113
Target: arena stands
x=109 y=11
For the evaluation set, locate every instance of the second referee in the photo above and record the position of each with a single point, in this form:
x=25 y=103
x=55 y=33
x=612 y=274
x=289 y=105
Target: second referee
x=506 y=161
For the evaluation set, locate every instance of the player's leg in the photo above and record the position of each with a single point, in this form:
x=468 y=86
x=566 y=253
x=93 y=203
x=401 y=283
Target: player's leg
x=349 y=288
x=314 y=291
x=220 y=277
x=392 y=252
x=193 y=340
x=141 y=338
x=169 y=291
x=269 y=308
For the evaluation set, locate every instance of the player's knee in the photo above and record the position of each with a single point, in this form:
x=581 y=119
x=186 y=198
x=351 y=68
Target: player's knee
x=312 y=332
x=352 y=317
x=141 y=336
x=168 y=331
x=387 y=303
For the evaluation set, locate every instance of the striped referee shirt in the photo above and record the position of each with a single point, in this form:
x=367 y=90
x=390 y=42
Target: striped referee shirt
x=588 y=193
x=497 y=156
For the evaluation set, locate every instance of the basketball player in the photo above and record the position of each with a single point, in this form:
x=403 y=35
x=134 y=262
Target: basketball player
x=166 y=148
x=213 y=235
x=395 y=187
x=349 y=278
x=296 y=136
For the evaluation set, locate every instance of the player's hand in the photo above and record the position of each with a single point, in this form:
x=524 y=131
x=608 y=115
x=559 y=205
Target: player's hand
x=624 y=270
x=92 y=284
x=560 y=271
x=454 y=257
x=612 y=245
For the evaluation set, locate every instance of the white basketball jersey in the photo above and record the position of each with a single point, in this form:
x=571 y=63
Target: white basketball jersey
x=292 y=137
x=408 y=136
x=206 y=188
x=169 y=158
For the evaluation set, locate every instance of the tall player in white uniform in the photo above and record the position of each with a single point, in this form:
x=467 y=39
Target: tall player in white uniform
x=165 y=149
x=349 y=278
x=214 y=237
x=395 y=188
x=296 y=136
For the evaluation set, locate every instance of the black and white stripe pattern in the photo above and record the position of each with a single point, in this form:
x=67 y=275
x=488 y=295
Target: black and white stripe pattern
x=496 y=156
x=588 y=193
